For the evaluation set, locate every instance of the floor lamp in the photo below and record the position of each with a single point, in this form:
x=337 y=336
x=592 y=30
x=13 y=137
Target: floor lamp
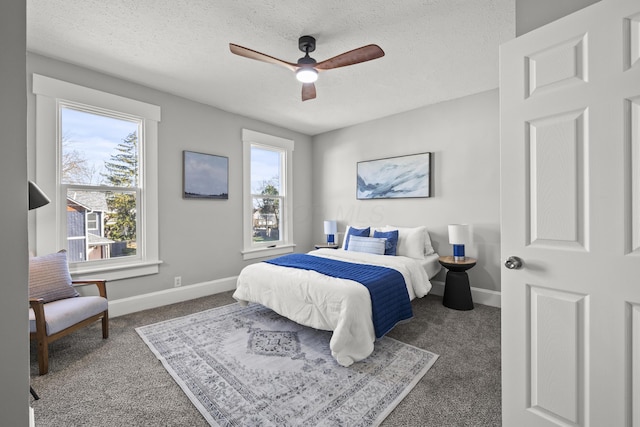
x=37 y=198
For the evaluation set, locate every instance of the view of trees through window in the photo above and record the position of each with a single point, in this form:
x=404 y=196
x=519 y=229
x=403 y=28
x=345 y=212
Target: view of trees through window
x=266 y=167
x=100 y=170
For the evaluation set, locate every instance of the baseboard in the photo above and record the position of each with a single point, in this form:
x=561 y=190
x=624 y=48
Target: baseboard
x=128 y=305
x=479 y=295
x=123 y=306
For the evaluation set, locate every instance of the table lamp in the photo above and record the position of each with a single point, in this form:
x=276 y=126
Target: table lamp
x=330 y=229
x=458 y=236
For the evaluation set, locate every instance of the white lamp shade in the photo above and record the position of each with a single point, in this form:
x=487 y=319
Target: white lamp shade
x=330 y=227
x=459 y=234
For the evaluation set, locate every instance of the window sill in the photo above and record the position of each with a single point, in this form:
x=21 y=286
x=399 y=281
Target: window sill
x=115 y=272
x=266 y=252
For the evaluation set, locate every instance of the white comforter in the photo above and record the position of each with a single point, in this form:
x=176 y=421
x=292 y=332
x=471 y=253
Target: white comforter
x=327 y=303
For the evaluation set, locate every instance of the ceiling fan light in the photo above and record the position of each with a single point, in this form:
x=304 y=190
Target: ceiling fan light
x=307 y=75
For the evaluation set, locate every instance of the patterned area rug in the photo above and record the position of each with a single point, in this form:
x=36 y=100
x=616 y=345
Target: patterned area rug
x=249 y=366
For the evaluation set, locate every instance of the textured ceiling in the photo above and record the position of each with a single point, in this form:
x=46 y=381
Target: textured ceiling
x=435 y=50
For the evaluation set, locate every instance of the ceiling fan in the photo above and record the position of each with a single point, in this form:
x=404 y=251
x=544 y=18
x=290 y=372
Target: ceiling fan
x=307 y=68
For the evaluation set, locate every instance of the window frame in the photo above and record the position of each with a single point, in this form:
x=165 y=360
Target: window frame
x=51 y=95
x=285 y=147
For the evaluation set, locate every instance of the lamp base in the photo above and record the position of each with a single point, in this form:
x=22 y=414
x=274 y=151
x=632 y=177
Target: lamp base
x=330 y=239
x=458 y=253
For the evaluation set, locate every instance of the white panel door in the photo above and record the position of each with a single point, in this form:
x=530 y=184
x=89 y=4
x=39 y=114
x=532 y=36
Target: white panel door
x=570 y=206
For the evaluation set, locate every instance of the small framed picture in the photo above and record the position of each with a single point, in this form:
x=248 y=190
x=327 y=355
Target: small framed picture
x=204 y=176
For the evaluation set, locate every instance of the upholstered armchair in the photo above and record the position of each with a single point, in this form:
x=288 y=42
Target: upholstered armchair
x=56 y=308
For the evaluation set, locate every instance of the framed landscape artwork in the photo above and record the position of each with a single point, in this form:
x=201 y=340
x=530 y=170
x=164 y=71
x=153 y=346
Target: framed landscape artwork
x=205 y=176
x=395 y=177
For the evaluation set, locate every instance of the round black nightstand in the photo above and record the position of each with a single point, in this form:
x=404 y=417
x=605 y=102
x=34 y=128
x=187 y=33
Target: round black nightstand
x=457 y=291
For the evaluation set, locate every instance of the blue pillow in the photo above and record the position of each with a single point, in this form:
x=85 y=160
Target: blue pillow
x=360 y=232
x=391 y=243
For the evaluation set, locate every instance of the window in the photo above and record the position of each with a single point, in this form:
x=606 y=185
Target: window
x=267 y=195
x=99 y=175
x=96 y=157
x=93 y=225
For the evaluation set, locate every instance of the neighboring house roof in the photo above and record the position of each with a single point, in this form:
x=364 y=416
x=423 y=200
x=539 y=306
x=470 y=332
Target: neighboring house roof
x=95 y=240
x=75 y=204
x=95 y=200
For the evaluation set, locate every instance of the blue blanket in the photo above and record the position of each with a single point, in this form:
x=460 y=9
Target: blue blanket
x=390 y=301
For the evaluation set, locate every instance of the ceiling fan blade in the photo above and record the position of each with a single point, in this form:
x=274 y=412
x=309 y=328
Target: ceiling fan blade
x=252 y=54
x=355 y=56
x=308 y=91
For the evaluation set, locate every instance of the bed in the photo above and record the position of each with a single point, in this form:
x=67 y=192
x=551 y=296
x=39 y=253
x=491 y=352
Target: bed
x=338 y=304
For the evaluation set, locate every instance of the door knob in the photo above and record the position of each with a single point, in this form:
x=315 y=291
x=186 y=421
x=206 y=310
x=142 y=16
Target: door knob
x=513 y=263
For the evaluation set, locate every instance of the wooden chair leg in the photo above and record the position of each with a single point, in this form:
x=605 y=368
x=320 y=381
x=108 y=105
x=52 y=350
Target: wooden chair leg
x=105 y=325
x=43 y=356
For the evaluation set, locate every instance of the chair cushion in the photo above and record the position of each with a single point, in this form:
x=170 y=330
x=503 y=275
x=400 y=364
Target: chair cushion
x=49 y=277
x=63 y=313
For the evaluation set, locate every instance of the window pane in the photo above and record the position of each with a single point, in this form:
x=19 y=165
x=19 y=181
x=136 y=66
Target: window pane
x=97 y=149
x=265 y=171
x=92 y=222
x=266 y=219
x=114 y=231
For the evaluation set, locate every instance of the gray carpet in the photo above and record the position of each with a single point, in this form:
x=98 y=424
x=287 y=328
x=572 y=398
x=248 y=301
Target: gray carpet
x=119 y=382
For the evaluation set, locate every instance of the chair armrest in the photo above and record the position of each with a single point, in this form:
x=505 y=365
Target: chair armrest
x=37 y=304
x=101 y=284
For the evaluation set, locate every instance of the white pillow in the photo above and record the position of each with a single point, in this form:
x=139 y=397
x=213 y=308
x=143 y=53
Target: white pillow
x=370 y=245
x=428 y=246
x=413 y=242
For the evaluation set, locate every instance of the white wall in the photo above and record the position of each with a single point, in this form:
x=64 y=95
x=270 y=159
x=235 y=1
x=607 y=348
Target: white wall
x=463 y=134
x=14 y=321
x=200 y=240
x=531 y=14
